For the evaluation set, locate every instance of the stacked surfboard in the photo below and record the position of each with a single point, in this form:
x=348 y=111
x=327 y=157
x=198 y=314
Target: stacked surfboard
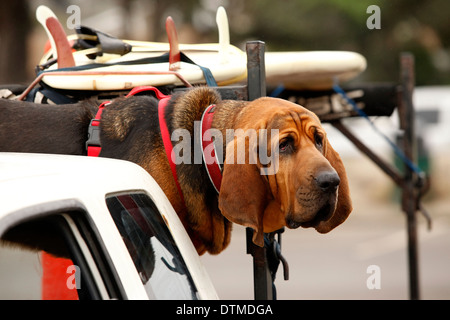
x=85 y=69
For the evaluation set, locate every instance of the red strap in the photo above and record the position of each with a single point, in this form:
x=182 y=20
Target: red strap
x=167 y=142
x=139 y=89
x=163 y=101
x=210 y=158
x=94 y=150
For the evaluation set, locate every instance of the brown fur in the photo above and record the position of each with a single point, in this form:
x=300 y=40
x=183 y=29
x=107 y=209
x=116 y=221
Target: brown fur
x=30 y=127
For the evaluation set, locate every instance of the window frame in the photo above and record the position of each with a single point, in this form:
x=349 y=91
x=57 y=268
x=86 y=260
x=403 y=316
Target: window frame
x=163 y=222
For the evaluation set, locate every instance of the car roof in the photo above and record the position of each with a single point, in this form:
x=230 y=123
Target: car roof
x=44 y=178
x=15 y=166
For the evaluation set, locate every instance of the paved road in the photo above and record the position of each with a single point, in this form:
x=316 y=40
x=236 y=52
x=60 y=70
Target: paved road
x=335 y=265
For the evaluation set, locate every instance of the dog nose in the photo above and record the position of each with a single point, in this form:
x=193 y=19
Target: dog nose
x=327 y=181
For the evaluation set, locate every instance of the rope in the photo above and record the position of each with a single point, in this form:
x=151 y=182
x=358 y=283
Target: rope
x=408 y=162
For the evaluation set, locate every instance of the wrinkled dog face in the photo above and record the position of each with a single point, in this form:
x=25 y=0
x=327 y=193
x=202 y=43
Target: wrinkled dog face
x=305 y=185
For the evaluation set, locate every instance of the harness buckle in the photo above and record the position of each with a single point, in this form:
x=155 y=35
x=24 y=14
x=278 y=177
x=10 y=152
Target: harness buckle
x=93 y=135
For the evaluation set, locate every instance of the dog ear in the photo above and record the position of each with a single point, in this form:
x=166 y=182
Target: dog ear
x=243 y=192
x=344 y=203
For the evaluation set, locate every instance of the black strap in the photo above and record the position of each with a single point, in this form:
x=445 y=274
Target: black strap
x=49 y=94
x=210 y=81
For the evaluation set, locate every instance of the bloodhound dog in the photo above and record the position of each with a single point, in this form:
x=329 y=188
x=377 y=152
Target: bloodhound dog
x=308 y=189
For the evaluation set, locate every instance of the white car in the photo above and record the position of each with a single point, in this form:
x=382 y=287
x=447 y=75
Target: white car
x=112 y=218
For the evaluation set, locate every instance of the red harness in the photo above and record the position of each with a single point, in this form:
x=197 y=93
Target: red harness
x=212 y=164
x=167 y=142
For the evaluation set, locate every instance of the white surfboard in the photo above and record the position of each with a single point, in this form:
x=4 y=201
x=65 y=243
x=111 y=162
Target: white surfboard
x=226 y=63
x=312 y=70
x=120 y=77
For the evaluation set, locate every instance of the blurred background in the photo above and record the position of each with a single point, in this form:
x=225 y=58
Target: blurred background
x=331 y=266
x=421 y=27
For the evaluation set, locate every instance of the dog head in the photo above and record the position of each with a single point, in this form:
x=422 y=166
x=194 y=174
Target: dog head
x=304 y=184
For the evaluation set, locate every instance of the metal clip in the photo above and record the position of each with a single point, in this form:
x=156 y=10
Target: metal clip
x=276 y=246
x=93 y=135
x=274 y=255
x=277 y=252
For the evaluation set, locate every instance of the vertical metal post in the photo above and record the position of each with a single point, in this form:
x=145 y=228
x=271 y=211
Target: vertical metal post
x=409 y=194
x=256 y=87
x=262 y=280
x=256 y=70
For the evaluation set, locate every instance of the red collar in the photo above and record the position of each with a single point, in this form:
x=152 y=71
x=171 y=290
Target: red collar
x=212 y=163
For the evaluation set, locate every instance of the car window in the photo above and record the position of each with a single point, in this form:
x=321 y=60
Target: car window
x=152 y=247
x=58 y=241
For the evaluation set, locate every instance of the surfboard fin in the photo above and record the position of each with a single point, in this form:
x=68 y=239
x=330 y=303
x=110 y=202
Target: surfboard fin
x=224 y=34
x=61 y=48
x=174 y=51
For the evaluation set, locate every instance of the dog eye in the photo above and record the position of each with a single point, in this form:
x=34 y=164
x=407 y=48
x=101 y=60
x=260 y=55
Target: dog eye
x=318 y=139
x=286 y=145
